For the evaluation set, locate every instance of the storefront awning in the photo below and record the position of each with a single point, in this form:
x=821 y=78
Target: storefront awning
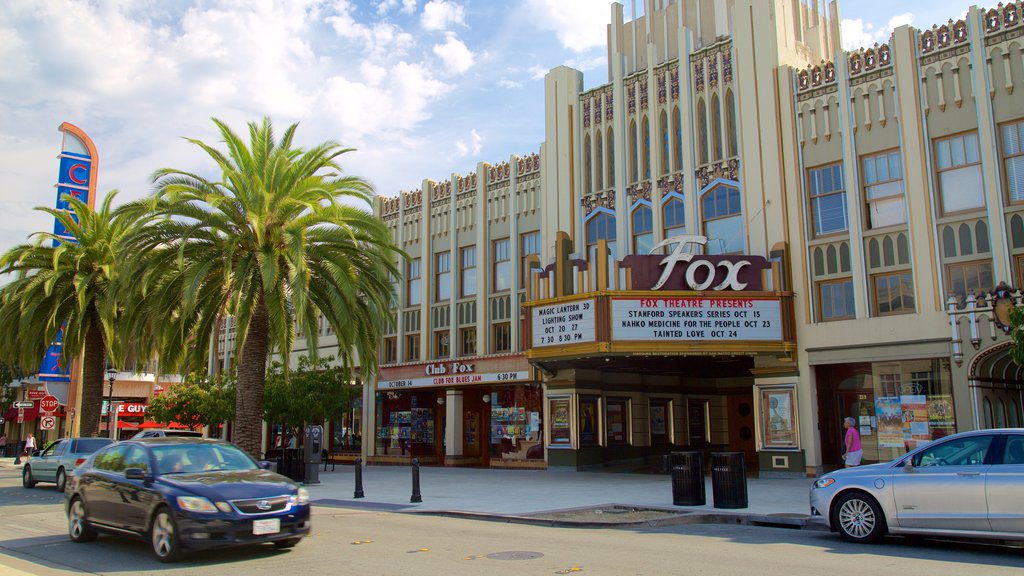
x=30 y=414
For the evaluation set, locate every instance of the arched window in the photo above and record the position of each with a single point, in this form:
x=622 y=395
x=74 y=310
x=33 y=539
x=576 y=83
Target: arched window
x=730 y=119
x=677 y=148
x=634 y=170
x=643 y=229
x=702 y=121
x=716 y=126
x=599 y=161
x=587 y=184
x=664 y=143
x=987 y=405
x=723 y=220
x=611 y=158
x=674 y=212
x=600 y=226
x=647 y=148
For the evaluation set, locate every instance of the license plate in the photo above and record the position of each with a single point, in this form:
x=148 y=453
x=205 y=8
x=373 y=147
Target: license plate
x=269 y=526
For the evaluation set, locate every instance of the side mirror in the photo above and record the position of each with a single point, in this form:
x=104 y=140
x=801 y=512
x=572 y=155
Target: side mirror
x=264 y=464
x=135 y=474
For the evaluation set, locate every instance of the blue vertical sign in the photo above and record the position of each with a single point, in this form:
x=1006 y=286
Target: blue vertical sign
x=76 y=178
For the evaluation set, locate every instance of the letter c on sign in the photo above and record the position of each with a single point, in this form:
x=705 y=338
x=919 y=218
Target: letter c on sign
x=71 y=173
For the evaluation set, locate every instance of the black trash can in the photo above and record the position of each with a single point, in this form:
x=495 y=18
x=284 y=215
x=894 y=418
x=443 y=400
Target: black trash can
x=728 y=480
x=688 y=479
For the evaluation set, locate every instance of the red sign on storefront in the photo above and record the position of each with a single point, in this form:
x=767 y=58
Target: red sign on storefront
x=36 y=394
x=131 y=408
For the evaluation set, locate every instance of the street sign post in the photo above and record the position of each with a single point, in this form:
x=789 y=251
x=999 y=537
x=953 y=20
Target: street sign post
x=21 y=415
x=49 y=404
x=24 y=404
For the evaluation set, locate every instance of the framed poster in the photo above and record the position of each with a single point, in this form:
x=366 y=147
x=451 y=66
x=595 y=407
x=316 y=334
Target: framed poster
x=779 y=425
x=589 y=406
x=659 y=416
x=616 y=420
x=560 y=431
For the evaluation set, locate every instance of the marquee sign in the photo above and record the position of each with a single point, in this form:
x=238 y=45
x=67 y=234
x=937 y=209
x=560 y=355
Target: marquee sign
x=565 y=323
x=454 y=380
x=683 y=319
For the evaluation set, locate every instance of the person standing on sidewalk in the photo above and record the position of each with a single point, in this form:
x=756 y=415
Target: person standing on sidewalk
x=853 y=452
x=3 y=445
x=30 y=444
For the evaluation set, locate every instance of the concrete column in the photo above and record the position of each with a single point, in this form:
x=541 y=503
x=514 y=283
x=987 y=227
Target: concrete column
x=453 y=418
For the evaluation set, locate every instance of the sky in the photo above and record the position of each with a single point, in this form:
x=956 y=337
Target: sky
x=420 y=88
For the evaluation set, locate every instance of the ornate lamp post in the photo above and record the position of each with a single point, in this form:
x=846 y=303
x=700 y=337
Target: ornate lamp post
x=111 y=376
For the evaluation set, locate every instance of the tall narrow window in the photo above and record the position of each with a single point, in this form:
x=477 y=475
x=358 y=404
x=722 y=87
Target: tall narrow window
x=599 y=161
x=390 y=350
x=610 y=150
x=529 y=244
x=412 y=283
x=587 y=167
x=643 y=230
x=467 y=339
x=502 y=265
x=835 y=300
x=665 y=144
x=501 y=337
x=601 y=227
x=634 y=166
x=442 y=276
x=893 y=293
x=442 y=345
x=1013 y=160
x=467 y=283
x=702 y=126
x=723 y=220
x=969 y=277
x=959 y=171
x=677 y=145
x=716 y=126
x=730 y=120
x=675 y=216
x=647 y=148
x=883 y=190
x=412 y=347
x=828 y=200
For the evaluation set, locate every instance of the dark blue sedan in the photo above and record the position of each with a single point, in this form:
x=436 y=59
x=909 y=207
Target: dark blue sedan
x=184 y=493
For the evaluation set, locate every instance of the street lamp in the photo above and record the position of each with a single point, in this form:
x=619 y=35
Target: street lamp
x=111 y=376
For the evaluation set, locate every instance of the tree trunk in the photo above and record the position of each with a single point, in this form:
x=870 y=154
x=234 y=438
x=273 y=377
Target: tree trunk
x=252 y=375
x=92 y=377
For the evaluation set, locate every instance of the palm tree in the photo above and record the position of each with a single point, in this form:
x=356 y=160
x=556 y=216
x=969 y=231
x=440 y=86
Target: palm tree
x=275 y=243
x=57 y=284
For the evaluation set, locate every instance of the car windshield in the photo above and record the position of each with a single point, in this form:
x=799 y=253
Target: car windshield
x=183 y=459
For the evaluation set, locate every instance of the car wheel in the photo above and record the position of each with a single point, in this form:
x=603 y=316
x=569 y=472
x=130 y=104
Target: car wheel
x=26 y=478
x=62 y=480
x=79 y=528
x=288 y=543
x=163 y=537
x=859 y=518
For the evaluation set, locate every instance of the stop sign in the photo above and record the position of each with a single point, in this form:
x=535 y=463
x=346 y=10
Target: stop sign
x=49 y=404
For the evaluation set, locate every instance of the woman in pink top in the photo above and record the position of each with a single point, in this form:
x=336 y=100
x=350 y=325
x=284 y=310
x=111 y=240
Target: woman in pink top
x=852 y=453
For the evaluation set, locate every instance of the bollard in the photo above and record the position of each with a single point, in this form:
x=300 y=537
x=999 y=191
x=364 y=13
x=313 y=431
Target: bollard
x=416 y=497
x=359 y=479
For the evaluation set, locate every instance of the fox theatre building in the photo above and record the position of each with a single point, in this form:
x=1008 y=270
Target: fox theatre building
x=659 y=353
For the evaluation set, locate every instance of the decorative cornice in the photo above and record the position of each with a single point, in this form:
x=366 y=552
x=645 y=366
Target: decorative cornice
x=639 y=191
x=943 y=37
x=728 y=170
x=602 y=199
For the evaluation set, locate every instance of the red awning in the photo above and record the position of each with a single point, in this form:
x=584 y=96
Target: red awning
x=30 y=414
x=177 y=426
x=150 y=424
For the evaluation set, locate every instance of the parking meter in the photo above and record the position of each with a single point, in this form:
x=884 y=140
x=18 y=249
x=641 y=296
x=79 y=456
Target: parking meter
x=313 y=446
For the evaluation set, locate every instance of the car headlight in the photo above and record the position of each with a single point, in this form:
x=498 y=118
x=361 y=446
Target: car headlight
x=824 y=482
x=196 y=504
x=303 y=496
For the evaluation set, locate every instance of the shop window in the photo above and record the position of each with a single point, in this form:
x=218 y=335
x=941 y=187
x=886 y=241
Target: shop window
x=560 y=425
x=969 y=278
x=723 y=220
x=516 y=423
x=467 y=282
x=828 y=200
x=883 y=190
x=412 y=347
x=442 y=348
x=442 y=276
x=390 y=350
x=779 y=417
x=412 y=288
x=501 y=337
x=893 y=293
x=835 y=300
x=617 y=421
x=1013 y=160
x=467 y=339
x=408 y=424
x=643 y=234
x=674 y=215
x=529 y=244
x=590 y=409
x=958 y=163
x=502 y=280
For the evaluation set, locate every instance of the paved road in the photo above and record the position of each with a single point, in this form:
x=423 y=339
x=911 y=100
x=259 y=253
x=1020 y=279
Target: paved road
x=33 y=542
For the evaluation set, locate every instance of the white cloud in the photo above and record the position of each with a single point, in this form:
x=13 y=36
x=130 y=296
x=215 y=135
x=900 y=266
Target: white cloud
x=439 y=14
x=579 y=24
x=473 y=147
x=408 y=6
x=860 y=34
x=456 y=56
x=506 y=83
x=380 y=40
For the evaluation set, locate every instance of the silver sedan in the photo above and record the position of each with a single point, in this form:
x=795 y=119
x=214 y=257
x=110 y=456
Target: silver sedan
x=968 y=484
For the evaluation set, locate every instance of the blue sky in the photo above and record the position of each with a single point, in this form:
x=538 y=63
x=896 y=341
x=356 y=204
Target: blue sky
x=422 y=88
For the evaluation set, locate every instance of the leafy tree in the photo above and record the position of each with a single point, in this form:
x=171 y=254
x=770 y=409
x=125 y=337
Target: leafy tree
x=315 y=392
x=1017 y=334
x=58 y=283
x=275 y=242
x=195 y=402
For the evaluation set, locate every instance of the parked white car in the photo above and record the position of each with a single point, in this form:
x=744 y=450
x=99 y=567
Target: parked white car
x=969 y=484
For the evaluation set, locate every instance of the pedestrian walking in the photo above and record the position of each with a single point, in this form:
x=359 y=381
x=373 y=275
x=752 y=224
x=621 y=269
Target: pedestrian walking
x=30 y=444
x=852 y=451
